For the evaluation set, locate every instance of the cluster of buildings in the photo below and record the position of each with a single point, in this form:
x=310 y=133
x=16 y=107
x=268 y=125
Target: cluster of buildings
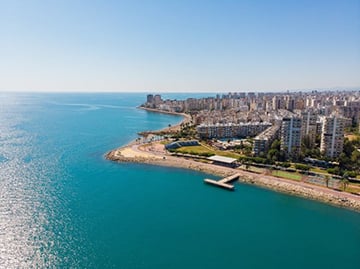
x=290 y=117
x=293 y=130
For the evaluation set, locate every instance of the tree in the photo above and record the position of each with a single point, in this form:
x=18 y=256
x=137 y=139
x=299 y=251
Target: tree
x=273 y=154
x=334 y=171
x=355 y=159
x=306 y=142
x=302 y=167
x=282 y=156
x=344 y=161
x=345 y=183
x=276 y=144
x=348 y=147
x=271 y=169
x=327 y=179
x=285 y=164
x=345 y=180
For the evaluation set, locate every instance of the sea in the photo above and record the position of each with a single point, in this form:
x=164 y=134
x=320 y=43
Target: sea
x=63 y=205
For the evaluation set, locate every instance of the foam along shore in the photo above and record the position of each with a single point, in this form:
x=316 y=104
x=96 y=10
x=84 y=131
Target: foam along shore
x=155 y=154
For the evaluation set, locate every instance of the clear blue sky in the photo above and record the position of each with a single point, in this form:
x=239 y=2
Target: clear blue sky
x=85 y=45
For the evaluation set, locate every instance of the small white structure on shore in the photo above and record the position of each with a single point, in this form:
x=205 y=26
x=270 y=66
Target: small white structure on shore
x=224 y=161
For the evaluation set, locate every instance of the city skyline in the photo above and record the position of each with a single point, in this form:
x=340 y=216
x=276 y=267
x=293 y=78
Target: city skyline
x=163 y=46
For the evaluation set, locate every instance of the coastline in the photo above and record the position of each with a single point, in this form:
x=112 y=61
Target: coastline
x=155 y=154
x=174 y=128
x=186 y=119
x=137 y=154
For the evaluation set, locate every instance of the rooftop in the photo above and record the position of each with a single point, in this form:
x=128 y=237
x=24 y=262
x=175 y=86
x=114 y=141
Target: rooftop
x=222 y=159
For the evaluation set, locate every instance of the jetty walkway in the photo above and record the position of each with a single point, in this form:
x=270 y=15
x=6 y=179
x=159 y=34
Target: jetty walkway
x=224 y=183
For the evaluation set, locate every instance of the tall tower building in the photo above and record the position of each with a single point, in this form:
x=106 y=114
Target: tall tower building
x=157 y=99
x=332 y=136
x=291 y=136
x=149 y=98
x=290 y=103
x=308 y=126
x=278 y=102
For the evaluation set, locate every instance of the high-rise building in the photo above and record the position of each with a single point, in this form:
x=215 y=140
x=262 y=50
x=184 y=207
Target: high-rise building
x=290 y=137
x=308 y=126
x=278 y=102
x=290 y=103
x=332 y=136
x=157 y=99
x=149 y=98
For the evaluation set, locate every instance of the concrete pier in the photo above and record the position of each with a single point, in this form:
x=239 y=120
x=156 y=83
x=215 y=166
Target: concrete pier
x=223 y=183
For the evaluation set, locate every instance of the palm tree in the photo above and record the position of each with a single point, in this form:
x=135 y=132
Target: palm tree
x=327 y=179
x=345 y=183
x=271 y=169
x=345 y=180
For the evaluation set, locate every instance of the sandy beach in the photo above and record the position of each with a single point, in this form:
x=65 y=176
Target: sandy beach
x=155 y=154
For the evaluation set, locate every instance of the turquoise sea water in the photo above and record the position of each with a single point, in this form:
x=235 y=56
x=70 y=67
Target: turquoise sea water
x=62 y=205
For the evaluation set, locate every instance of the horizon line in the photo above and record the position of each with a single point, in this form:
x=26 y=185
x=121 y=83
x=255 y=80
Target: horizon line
x=337 y=88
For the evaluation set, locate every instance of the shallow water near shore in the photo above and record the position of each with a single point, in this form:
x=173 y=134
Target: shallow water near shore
x=63 y=205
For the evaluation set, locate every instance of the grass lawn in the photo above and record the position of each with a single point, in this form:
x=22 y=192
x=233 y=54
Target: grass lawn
x=227 y=154
x=287 y=175
x=197 y=150
x=318 y=170
x=193 y=150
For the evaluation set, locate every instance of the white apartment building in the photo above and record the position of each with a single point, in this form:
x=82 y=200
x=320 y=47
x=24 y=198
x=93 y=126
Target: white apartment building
x=290 y=137
x=308 y=126
x=332 y=136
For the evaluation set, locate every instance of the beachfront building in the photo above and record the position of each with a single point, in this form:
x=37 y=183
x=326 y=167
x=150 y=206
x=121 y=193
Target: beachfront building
x=332 y=136
x=263 y=141
x=223 y=161
x=153 y=101
x=290 y=137
x=157 y=99
x=150 y=101
x=231 y=130
x=149 y=98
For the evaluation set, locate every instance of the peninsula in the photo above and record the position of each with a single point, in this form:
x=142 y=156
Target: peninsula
x=295 y=174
